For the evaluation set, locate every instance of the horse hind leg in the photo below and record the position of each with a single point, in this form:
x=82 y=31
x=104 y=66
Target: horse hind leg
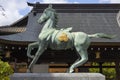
x=74 y=62
x=84 y=58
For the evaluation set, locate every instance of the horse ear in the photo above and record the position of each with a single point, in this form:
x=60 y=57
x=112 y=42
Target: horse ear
x=50 y=6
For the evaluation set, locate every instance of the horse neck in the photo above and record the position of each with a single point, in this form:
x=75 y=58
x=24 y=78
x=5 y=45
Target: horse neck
x=50 y=24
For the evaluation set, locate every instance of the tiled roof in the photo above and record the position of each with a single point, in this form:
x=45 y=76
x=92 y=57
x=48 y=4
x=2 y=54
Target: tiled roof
x=84 y=19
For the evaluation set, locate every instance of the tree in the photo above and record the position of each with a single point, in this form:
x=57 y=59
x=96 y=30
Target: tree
x=5 y=70
x=2 y=10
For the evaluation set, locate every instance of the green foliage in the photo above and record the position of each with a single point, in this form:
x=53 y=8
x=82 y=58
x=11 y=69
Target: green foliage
x=96 y=70
x=5 y=70
x=108 y=72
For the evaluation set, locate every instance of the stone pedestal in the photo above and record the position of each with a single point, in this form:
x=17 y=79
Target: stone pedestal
x=41 y=68
x=57 y=76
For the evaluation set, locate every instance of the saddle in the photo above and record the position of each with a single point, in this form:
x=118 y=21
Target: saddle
x=63 y=37
x=46 y=35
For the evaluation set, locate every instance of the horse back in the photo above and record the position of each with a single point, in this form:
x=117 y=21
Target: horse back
x=80 y=38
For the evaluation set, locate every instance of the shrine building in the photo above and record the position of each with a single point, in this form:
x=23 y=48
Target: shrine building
x=88 y=18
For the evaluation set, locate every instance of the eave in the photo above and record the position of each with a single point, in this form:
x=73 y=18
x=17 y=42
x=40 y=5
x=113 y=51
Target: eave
x=11 y=30
x=16 y=27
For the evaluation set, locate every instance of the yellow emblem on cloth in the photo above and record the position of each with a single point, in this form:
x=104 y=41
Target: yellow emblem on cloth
x=63 y=37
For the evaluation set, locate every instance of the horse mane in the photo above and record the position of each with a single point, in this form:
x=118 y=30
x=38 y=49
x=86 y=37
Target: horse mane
x=54 y=13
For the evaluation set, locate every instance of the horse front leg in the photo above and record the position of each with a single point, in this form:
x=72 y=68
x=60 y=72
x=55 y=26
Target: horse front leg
x=39 y=52
x=30 y=46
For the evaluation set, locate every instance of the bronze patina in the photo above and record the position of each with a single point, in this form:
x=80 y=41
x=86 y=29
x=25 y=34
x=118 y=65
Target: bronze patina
x=61 y=39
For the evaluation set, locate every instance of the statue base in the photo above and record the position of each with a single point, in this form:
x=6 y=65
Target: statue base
x=57 y=76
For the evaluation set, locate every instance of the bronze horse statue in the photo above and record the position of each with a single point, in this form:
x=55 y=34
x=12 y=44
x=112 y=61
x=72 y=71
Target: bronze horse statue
x=51 y=37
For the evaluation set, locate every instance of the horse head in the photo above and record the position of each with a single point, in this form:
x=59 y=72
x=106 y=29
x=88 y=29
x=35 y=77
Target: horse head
x=48 y=13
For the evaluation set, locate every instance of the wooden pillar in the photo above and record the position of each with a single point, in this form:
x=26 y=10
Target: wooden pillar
x=117 y=70
x=98 y=56
x=117 y=67
x=100 y=67
x=15 y=65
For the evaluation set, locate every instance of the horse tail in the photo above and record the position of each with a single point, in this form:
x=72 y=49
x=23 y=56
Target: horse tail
x=101 y=35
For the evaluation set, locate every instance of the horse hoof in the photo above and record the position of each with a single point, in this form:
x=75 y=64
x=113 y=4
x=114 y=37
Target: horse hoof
x=28 y=71
x=69 y=71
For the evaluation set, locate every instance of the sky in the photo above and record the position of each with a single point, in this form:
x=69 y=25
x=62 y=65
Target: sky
x=13 y=10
